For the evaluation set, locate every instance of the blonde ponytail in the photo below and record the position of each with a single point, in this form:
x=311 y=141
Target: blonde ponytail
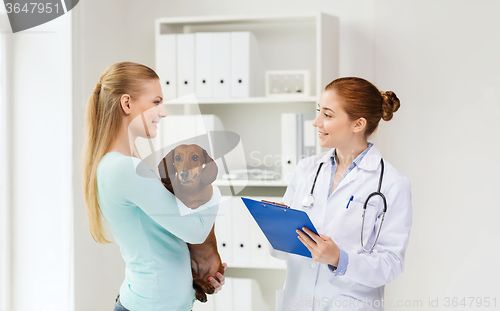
x=103 y=120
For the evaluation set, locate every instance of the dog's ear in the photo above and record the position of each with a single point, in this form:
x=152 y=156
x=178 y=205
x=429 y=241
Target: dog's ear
x=209 y=172
x=166 y=167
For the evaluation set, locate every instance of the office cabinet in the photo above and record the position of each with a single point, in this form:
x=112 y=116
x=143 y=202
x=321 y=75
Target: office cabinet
x=306 y=41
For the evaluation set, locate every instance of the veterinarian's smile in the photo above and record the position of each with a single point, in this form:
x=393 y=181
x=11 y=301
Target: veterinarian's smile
x=321 y=134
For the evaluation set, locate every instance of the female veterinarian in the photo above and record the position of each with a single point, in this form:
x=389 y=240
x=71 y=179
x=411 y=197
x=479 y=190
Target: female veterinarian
x=346 y=273
x=142 y=214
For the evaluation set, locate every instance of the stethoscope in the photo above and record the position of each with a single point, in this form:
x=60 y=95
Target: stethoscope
x=309 y=202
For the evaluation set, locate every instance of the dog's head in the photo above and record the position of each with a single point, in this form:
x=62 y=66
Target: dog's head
x=189 y=164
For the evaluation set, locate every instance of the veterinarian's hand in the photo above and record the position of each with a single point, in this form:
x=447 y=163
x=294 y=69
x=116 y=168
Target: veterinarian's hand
x=220 y=277
x=322 y=247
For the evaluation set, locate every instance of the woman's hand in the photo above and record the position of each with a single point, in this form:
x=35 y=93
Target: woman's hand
x=322 y=247
x=221 y=280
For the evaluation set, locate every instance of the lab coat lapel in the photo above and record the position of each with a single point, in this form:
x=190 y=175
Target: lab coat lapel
x=348 y=179
x=369 y=162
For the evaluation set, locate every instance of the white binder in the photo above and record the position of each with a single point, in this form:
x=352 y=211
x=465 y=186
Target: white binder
x=298 y=140
x=203 y=65
x=288 y=145
x=171 y=126
x=241 y=231
x=242 y=290
x=223 y=230
x=185 y=63
x=307 y=135
x=247 y=77
x=180 y=127
x=259 y=252
x=248 y=296
x=166 y=64
x=224 y=299
x=221 y=55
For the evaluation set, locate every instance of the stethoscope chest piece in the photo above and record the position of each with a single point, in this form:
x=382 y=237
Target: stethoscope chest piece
x=308 y=201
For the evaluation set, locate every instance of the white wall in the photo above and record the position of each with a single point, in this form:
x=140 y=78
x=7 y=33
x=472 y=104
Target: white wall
x=100 y=38
x=5 y=240
x=440 y=57
x=39 y=153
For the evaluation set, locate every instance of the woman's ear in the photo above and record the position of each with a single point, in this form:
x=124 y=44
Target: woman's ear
x=166 y=167
x=125 y=103
x=359 y=125
x=209 y=172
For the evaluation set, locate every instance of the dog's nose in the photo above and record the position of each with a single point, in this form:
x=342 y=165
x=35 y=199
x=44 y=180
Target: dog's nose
x=184 y=174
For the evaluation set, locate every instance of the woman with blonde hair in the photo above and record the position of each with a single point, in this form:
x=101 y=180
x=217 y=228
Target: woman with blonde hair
x=142 y=214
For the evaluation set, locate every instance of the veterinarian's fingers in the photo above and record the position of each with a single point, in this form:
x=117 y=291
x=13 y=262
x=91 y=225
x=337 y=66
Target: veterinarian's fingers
x=224 y=265
x=222 y=279
x=305 y=243
x=305 y=238
x=311 y=234
x=325 y=237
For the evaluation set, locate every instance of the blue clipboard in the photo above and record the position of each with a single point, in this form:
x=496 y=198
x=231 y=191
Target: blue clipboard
x=279 y=223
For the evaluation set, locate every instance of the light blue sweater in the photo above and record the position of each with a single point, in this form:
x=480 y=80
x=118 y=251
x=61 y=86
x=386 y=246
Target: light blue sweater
x=152 y=233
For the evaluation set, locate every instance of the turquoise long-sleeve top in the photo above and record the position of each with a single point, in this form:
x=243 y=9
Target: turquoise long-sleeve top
x=151 y=232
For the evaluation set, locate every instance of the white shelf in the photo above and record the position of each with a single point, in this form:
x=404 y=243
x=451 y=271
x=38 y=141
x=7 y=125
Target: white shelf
x=248 y=100
x=234 y=19
x=256 y=266
x=250 y=183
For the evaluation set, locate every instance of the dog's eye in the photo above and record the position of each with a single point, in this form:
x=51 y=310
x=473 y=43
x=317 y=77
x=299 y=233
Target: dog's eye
x=177 y=158
x=195 y=158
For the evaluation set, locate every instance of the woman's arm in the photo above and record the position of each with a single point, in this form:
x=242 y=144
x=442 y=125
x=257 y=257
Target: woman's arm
x=131 y=182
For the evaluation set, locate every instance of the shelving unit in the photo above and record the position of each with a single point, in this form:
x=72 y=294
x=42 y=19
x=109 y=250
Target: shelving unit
x=249 y=100
x=299 y=41
x=306 y=41
x=250 y=183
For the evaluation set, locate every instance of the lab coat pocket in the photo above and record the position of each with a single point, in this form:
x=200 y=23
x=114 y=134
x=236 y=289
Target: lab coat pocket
x=347 y=223
x=279 y=299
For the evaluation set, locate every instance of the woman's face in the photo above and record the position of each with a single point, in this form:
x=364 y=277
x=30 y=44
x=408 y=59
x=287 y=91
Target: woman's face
x=335 y=130
x=147 y=110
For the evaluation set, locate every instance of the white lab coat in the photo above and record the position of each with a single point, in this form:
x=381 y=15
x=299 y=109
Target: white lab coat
x=312 y=286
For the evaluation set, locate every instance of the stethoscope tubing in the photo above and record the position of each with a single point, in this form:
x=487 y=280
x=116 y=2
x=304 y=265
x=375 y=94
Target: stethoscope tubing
x=309 y=199
x=309 y=202
x=379 y=193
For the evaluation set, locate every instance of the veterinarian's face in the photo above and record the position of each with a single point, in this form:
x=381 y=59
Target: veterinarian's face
x=334 y=126
x=147 y=110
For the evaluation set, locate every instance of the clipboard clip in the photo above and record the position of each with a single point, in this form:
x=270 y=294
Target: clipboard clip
x=275 y=203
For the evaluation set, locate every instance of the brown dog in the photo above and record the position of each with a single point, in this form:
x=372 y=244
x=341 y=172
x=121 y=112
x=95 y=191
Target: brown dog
x=187 y=172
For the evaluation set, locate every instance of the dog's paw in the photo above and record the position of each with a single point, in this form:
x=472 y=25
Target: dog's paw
x=202 y=297
x=210 y=289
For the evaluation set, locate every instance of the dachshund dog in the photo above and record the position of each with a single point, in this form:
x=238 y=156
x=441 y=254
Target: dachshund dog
x=188 y=172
